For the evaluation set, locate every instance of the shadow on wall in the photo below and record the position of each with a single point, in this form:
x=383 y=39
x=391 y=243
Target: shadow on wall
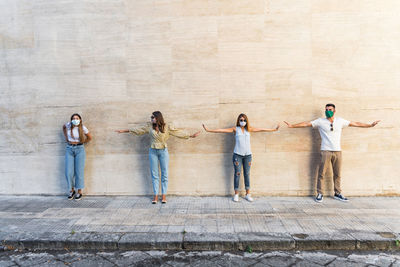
x=62 y=182
x=140 y=146
x=315 y=155
x=227 y=148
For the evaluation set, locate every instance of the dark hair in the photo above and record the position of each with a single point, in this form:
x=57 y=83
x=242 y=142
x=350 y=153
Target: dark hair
x=82 y=137
x=242 y=115
x=160 y=121
x=330 y=105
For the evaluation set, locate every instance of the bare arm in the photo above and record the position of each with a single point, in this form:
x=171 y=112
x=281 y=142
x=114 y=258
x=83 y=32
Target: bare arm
x=255 y=130
x=363 y=125
x=227 y=130
x=122 y=131
x=65 y=133
x=88 y=137
x=299 y=125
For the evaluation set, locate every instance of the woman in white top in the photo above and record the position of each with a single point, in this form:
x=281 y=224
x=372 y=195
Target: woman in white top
x=242 y=152
x=76 y=134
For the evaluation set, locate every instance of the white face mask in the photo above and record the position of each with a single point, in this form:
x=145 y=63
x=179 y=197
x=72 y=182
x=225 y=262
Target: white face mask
x=242 y=123
x=76 y=122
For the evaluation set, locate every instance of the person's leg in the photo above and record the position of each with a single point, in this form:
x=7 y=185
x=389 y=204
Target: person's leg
x=337 y=168
x=153 y=158
x=246 y=172
x=164 y=160
x=325 y=163
x=69 y=168
x=80 y=156
x=237 y=166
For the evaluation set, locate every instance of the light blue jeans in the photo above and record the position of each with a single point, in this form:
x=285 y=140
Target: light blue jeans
x=238 y=162
x=74 y=166
x=155 y=156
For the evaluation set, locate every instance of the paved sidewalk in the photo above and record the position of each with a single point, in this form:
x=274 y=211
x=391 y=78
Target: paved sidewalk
x=199 y=223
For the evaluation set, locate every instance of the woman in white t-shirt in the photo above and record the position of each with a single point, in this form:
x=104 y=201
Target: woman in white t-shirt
x=242 y=152
x=76 y=135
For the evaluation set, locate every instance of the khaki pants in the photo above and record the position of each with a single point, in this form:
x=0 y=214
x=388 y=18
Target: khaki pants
x=329 y=158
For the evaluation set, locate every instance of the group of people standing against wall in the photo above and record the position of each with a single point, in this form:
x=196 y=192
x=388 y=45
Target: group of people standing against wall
x=330 y=129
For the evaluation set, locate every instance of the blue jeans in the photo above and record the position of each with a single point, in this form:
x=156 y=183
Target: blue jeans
x=155 y=156
x=238 y=162
x=74 y=166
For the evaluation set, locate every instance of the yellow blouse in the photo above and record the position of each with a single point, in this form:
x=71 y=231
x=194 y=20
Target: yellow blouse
x=159 y=139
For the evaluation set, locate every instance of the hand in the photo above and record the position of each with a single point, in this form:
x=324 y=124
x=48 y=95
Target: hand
x=277 y=127
x=195 y=134
x=205 y=128
x=374 y=123
x=288 y=124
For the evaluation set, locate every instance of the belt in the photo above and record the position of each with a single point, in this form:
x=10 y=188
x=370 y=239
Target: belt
x=79 y=144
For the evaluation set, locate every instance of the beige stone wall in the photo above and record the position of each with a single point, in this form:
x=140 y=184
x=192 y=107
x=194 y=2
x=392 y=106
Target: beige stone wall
x=198 y=62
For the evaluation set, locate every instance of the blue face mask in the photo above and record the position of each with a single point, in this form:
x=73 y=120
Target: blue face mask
x=76 y=122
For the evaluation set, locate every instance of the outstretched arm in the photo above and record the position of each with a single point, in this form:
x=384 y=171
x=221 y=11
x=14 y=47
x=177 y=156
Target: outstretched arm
x=227 y=130
x=299 y=125
x=139 y=130
x=363 y=125
x=255 y=130
x=122 y=131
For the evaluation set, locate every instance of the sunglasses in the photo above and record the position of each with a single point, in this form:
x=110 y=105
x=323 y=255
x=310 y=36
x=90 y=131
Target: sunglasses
x=242 y=120
x=331 y=126
x=152 y=117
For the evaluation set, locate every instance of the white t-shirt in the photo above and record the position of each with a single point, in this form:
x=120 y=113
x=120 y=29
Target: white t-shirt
x=242 y=144
x=75 y=132
x=330 y=139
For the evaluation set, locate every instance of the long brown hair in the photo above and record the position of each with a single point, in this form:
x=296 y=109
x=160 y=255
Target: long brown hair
x=160 y=121
x=242 y=115
x=82 y=136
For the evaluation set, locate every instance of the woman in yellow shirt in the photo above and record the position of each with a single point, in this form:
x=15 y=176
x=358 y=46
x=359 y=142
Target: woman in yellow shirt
x=159 y=132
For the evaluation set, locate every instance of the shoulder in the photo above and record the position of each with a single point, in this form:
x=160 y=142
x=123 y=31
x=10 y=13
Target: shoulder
x=317 y=122
x=343 y=121
x=85 y=129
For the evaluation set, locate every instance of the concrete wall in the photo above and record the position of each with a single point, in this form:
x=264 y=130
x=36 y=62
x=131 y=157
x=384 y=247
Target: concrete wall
x=198 y=62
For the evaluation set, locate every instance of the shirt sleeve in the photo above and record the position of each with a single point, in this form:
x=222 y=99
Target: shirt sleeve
x=178 y=132
x=345 y=123
x=315 y=123
x=85 y=130
x=140 y=130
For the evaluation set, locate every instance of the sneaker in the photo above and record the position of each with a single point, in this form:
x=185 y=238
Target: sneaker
x=319 y=198
x=249 y=198
x=236 y=198
x=340 y=197
x=78 y=196
x=71 y=195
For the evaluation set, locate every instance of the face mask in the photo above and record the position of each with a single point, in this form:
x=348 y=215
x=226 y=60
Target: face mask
x=329 y=113
x=76 y=122
x=242 y=123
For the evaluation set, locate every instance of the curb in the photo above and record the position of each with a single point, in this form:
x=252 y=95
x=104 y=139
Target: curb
x=200 y=241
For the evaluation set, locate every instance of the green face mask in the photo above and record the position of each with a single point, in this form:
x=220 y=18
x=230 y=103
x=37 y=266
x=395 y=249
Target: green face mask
x=329 y=113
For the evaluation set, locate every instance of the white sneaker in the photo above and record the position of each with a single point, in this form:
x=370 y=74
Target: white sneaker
x=236 y=198
x=249 y=198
